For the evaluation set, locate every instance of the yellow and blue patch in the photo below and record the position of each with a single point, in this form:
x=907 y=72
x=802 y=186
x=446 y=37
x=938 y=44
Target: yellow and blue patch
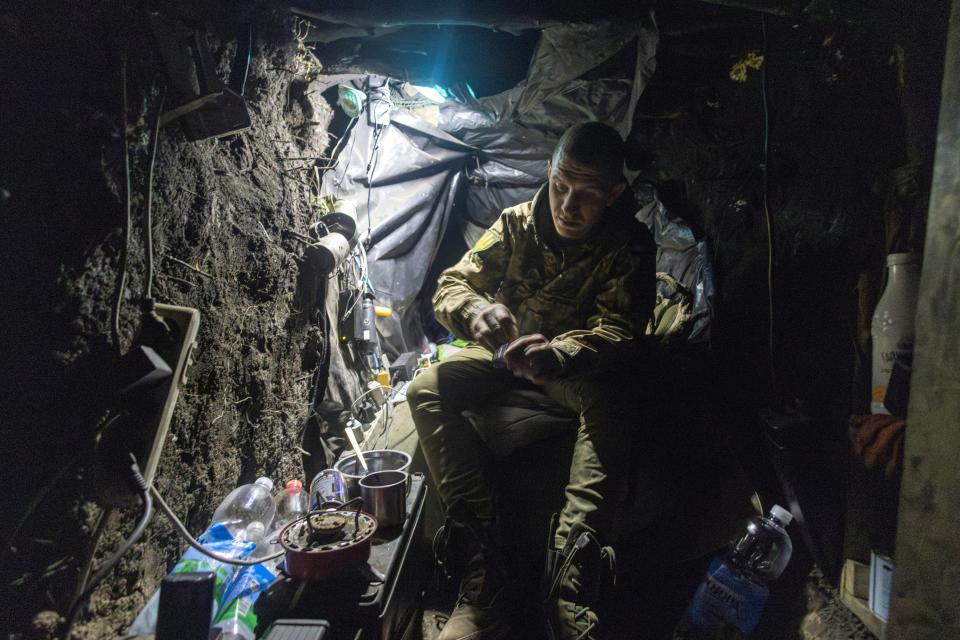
x=489 y=238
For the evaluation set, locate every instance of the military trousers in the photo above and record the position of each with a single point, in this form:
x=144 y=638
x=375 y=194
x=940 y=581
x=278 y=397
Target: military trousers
x=455 y=454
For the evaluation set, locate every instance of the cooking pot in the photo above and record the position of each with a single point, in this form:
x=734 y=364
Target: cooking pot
x=377 y=460
x=327 y=544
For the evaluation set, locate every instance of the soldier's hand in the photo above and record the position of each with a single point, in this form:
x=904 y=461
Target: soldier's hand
x=532 y=357
x=493 y=326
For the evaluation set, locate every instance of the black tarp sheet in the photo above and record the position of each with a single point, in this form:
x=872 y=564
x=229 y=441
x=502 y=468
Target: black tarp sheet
x=409 y=166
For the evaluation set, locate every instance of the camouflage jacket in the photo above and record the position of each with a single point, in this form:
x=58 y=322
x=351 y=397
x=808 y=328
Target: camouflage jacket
x=590 y=299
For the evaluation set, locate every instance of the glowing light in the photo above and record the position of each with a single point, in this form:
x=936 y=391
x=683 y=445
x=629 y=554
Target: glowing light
x=434 y=94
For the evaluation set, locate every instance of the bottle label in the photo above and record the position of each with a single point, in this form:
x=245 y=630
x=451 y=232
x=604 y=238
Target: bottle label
x=887 y=351
x=725 y=601
x=328 y=486
x=218 y=539
x=237 y=613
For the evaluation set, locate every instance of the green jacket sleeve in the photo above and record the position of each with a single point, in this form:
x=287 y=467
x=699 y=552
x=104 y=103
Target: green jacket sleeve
x=471 y=284
x=623 y=307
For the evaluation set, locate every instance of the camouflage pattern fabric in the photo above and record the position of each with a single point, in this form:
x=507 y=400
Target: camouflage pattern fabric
x=589 y=298
x=672 y=311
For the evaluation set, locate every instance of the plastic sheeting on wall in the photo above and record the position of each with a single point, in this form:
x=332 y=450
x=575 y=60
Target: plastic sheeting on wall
x=405 y=172
x=681 y=254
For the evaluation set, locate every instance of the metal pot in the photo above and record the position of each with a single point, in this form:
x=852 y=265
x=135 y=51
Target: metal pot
x=327 y=544
x=377 y=460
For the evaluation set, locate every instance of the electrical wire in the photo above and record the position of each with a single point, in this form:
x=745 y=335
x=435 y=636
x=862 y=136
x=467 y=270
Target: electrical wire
x=148 y=222
x=353 y=141
x=108 y=565
x=122 y=275
x=387 y=423
x=378 y=130
x=182 y=530
x=766 y=207
x=361 y=273
x=389 y=394
x=371 y=169
x=334 y=155
x=353 y=405
x=242 y=82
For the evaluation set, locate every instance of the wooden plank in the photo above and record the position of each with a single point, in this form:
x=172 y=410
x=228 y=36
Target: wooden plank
x=854 y=584
x=926 y=592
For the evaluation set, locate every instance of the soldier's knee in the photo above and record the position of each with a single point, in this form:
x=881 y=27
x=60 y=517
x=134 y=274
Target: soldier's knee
x=422 y=389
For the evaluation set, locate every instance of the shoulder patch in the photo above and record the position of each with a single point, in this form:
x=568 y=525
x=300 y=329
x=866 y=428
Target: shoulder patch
x=489 y=238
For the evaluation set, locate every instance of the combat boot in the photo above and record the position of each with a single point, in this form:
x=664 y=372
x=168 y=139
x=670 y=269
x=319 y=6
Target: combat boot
x=578 y=573
x=483 y=606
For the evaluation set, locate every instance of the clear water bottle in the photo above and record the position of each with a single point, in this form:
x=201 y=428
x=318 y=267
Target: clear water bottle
x=239 y=526
x=248 y=510
x=292 y=503
x=237 y=617
x=217 y=539
x=731 y=598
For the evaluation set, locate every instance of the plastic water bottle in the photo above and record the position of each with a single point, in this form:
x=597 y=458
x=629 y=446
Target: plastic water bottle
x=731 y=598
x=239 y=526
x=217 y=539
x=237 y=619
x=292 y=503
x=248 y=510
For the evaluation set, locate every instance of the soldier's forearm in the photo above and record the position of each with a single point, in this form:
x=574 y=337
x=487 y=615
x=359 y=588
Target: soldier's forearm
x=585 y=348
x=455 y=306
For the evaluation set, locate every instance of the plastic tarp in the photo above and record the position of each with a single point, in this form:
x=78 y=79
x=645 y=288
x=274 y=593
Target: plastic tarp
x=682 y=254
x=410 y=167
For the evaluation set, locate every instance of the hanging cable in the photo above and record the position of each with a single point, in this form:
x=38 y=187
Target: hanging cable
x=371 y=169
x=766 y=207
x=148 y=223
x=336 y=156
x=122 y=275
x=182 y=530
x=353 y=405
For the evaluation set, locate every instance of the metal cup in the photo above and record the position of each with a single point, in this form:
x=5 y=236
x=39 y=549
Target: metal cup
x=385 y=496
x=376 y=459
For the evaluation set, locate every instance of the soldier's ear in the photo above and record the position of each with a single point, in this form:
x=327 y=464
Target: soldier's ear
x=549 y=169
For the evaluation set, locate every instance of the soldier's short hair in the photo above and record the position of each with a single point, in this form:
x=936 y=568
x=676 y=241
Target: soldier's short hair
x=594 y=144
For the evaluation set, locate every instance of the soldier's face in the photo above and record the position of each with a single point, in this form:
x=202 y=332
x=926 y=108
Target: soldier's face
x=579 y=195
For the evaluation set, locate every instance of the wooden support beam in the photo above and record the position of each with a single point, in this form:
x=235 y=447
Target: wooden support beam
x=926 y=591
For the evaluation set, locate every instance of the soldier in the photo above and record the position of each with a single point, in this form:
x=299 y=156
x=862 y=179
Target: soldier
x=567 y=282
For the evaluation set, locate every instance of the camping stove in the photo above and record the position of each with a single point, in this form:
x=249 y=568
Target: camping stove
x=327 y=544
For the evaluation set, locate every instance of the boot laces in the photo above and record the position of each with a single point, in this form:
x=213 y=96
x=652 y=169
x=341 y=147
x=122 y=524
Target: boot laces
x=582 y=618
x=585 y=623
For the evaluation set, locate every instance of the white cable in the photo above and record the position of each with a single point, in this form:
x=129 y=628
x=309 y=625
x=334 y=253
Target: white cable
x=766 y=208
x=353 y=405
x=387 y=421
x=182 y=530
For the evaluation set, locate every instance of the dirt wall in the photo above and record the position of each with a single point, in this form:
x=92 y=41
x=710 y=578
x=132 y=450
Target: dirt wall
x=225 y=217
